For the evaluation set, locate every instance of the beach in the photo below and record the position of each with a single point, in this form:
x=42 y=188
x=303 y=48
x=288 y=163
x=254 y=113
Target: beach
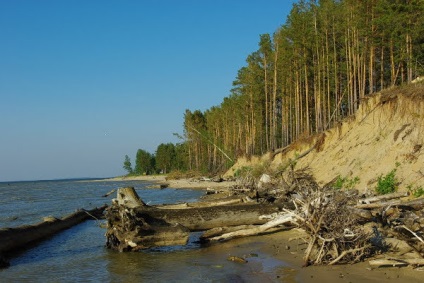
x=289 y=246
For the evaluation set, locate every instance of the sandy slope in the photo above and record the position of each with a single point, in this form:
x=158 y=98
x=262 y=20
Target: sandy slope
x=388 y=129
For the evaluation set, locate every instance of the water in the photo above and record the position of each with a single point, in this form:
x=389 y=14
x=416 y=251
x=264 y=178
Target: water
x=78 y=254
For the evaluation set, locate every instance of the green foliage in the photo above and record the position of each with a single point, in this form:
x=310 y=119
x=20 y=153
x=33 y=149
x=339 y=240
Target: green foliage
x=346 y=183
x=417 y=192
x=165 y=157
x=127 y=165
x=387 y=184
x=144 y=163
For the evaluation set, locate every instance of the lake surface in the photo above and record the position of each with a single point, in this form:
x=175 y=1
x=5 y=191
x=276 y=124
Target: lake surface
x=79 y=254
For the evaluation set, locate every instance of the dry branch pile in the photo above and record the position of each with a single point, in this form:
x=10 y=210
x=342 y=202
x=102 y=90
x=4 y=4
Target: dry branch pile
x=344 y=227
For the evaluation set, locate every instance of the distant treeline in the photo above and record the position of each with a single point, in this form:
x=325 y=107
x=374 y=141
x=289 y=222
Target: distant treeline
x=313 y=71
x=168 y=157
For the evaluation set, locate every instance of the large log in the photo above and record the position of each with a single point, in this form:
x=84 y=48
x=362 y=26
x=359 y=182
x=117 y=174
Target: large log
x=12 y=239
x=143 y=226
x=203 y=218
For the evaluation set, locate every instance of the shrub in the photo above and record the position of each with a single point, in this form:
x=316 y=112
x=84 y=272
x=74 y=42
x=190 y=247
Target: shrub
x=387 y=184
x=345 y=183
x=417 y=191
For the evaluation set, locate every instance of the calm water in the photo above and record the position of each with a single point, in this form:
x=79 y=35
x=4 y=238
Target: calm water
x=78 y=254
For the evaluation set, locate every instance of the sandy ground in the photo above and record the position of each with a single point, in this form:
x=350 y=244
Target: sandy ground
x=288 y=246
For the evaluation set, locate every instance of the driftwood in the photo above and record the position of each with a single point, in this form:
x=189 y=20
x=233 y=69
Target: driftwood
x=393 y=262
x=12 y=239
x=141 y=226
x=416 y=204
x=287 y=218
x=383 y=197
x=227 y=201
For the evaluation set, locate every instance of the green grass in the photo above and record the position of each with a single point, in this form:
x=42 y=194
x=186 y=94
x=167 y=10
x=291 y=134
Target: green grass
x=387 y=184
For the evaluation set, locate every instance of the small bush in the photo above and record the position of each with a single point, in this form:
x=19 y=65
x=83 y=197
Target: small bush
x=338 y=185
x=387 y=184
x=345 y=183
x=417 y=191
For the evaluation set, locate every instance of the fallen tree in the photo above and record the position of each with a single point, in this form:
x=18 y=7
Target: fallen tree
x=141 y=226
x=12 y=239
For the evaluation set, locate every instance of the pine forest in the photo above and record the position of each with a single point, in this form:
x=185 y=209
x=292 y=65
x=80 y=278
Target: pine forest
x=309 y=74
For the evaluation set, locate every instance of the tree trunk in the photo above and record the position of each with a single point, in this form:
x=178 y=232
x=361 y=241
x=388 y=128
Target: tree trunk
x=19 y=238
x=143 y=226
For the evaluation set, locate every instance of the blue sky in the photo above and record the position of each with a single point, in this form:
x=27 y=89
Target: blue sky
x=83 y=83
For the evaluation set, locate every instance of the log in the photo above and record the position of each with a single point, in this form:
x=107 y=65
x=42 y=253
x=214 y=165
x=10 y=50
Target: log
x=280 y=220
x=220 y=202
x=19 y=238
x=139 y=226
x=416 y=204
x=396 y=262
x=204 y=218
x=383 y=197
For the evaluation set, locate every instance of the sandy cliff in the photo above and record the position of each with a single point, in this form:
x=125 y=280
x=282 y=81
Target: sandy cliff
x=387 y=132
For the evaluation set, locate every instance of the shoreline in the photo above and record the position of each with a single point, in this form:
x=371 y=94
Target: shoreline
x=288 y=247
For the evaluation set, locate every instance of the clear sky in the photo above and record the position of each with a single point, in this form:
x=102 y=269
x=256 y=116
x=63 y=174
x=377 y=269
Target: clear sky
x=83 y=83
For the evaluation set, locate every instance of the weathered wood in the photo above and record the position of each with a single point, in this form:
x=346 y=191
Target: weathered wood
x=392 y=262
x=280 y=220
x=203 y=218
x=383 y=197
x=416 y=204
x=18 y=238
x=141 y=226
x=220 y=202
x=129 y=232
x=128 y=197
